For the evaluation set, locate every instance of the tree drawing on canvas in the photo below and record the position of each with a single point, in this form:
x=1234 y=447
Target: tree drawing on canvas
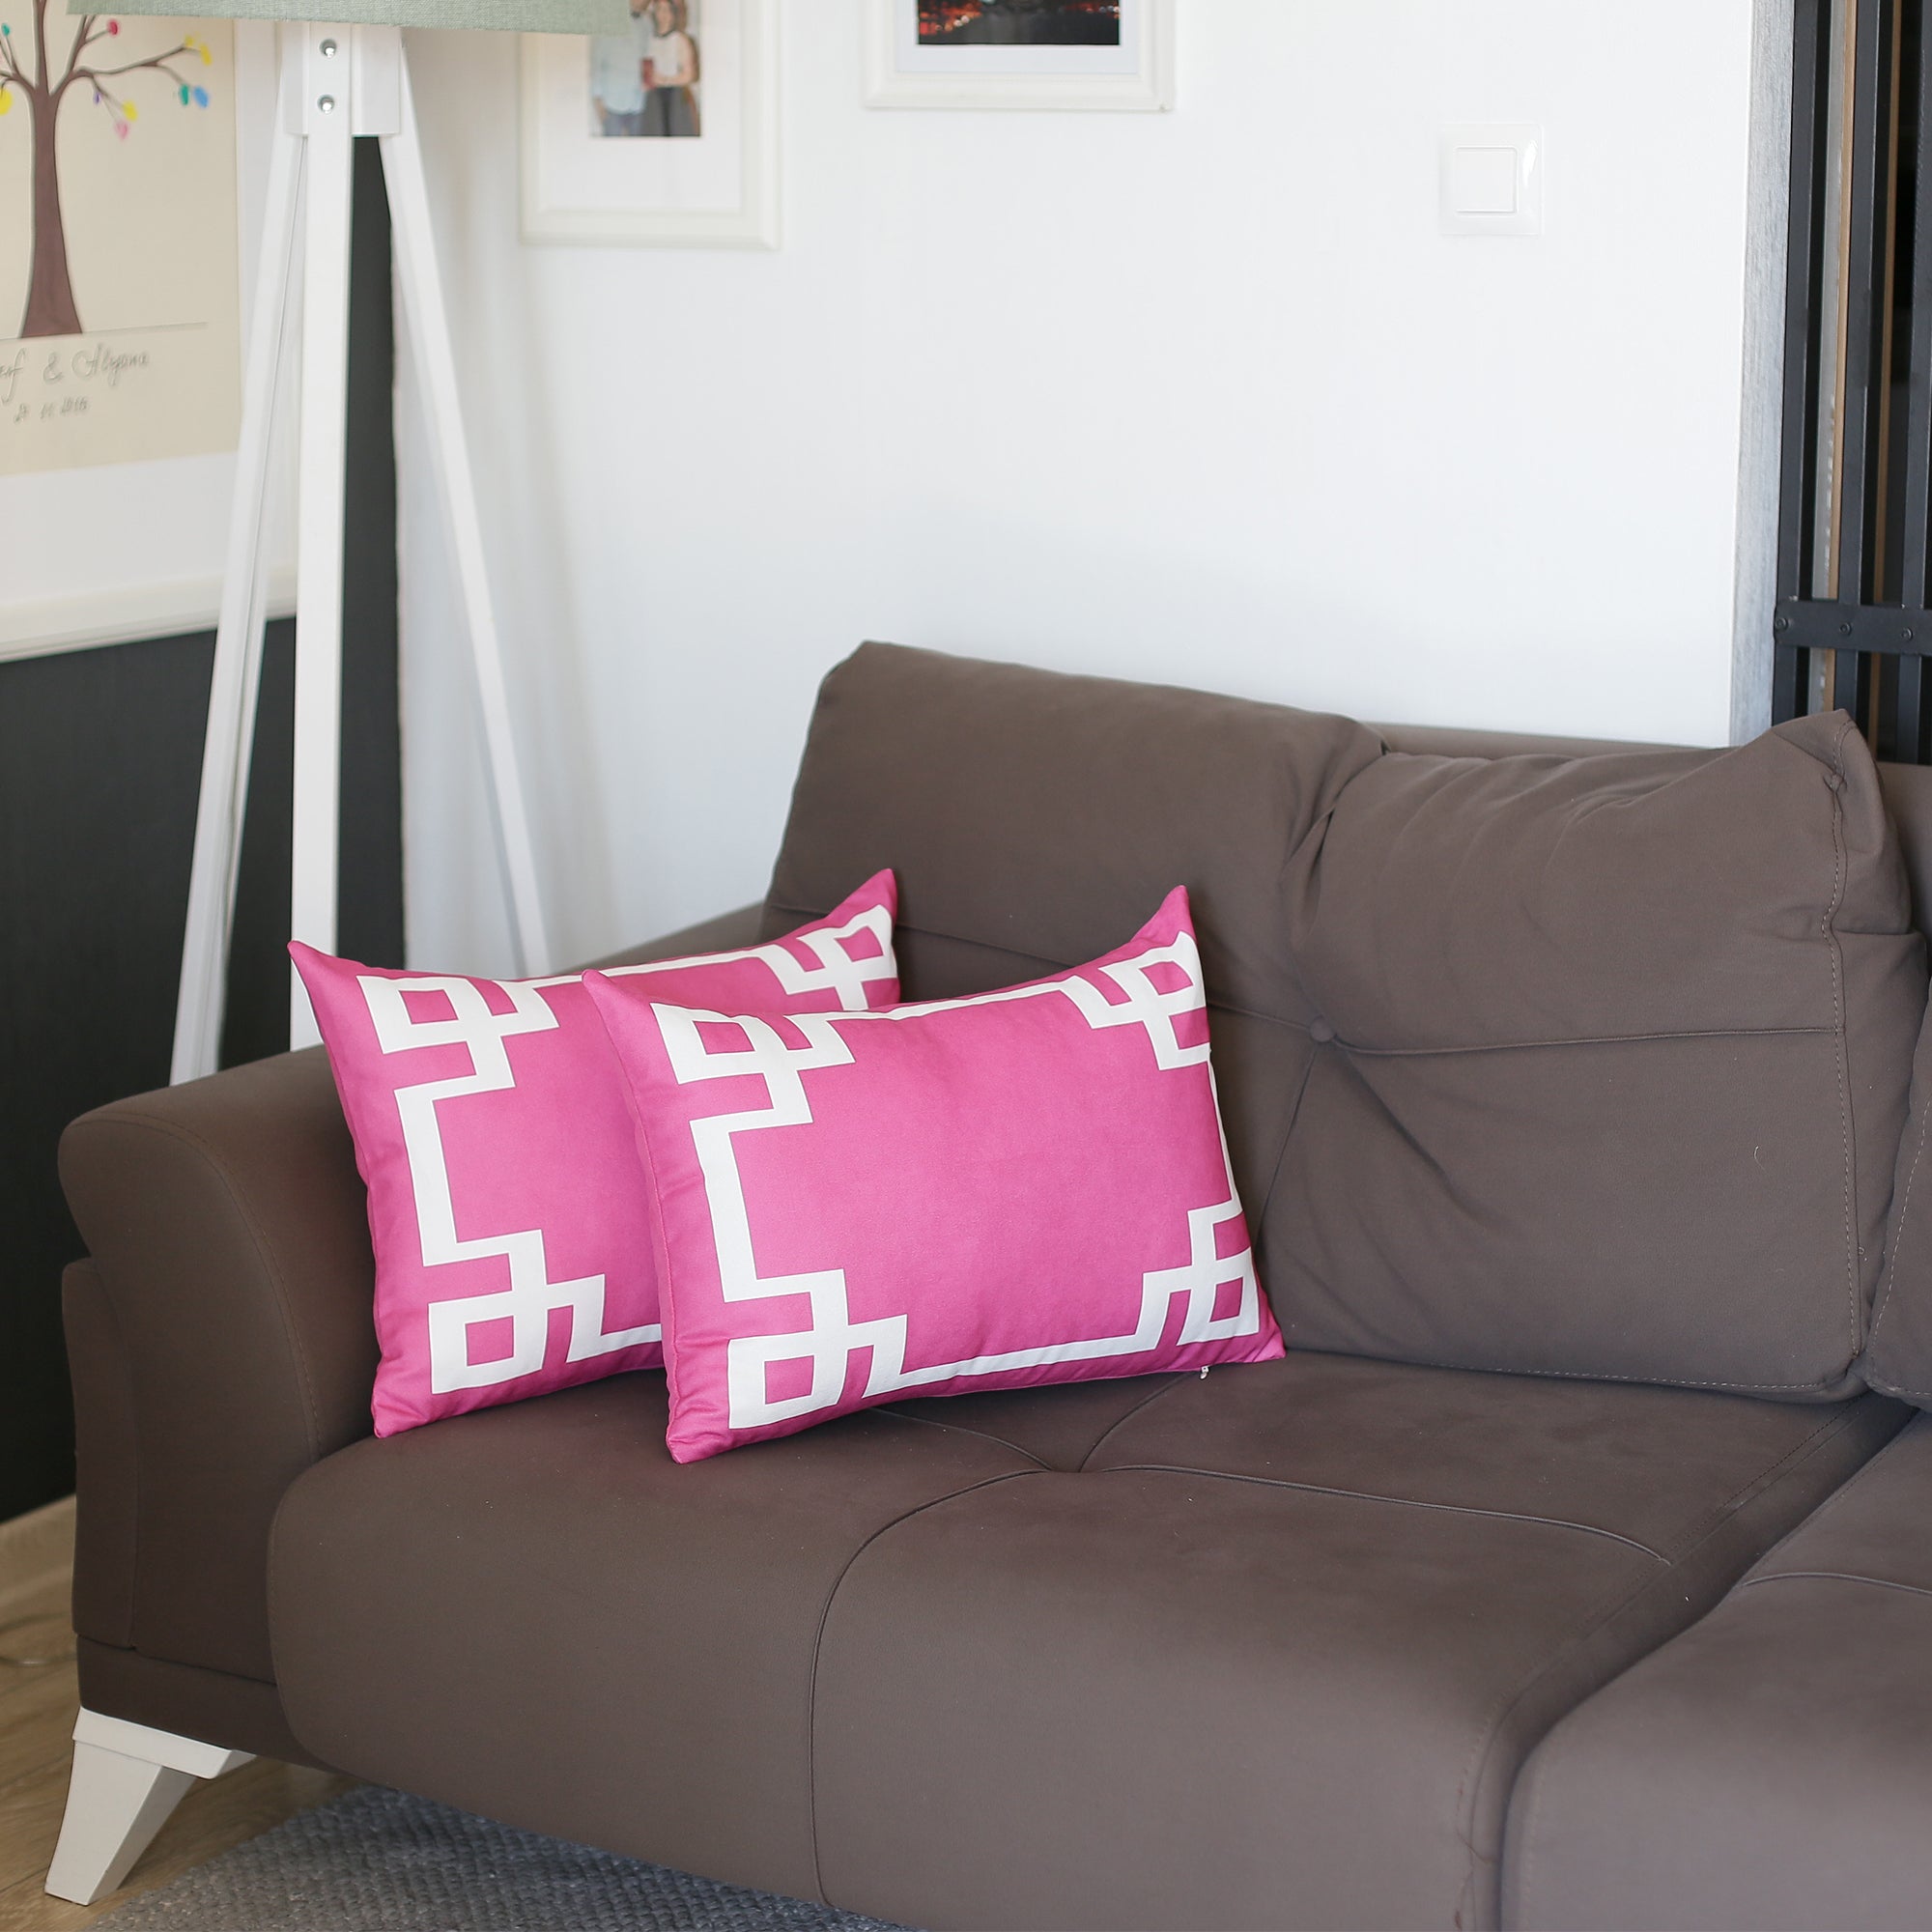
x=52 y=84
x=118 y=271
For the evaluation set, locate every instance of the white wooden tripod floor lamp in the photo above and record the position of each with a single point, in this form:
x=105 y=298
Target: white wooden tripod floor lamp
x=338 y=79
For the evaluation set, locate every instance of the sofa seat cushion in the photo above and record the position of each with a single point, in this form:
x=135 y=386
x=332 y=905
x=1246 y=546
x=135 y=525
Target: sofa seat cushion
x=534 y=1613
x=1258 y=1649
x=1771 y=1767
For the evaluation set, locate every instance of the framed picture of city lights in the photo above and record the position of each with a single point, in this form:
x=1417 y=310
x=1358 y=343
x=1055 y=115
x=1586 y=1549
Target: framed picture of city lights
x=663 y=133
x=1053 y=54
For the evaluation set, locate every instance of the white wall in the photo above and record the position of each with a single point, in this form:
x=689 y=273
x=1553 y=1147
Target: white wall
x=1202 y=396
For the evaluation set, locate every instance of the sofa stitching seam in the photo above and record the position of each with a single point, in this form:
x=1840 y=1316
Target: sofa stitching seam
x=818 y=1644
x=1281 y=1153
x=273 y=1594
x=1837 y=1421
x=1832 y=1504
x=1587 y=1039
x=1829 y=925
x=1816 y=1385
x=1167 y=1388
x=1368 y=1052
x=1832 y=1577
x=1890 y=1279
x=1375 y=1497
x=960 y=1429
x=1718 y=1516
x=1532 y=1798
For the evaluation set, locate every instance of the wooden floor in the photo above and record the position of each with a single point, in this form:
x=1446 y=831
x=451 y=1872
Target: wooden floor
x=37 y=1709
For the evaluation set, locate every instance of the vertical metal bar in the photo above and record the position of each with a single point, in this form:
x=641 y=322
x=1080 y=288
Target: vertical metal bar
x=1909 y=742
x=1916 y=556
x=1790 y=672
x=1891 y=245
x=1853 y=691
x=1858 y=692
x=1884 y=735
x=1857 y=486
x=1847 y=679
x=1797 y=488
x=1835 y=320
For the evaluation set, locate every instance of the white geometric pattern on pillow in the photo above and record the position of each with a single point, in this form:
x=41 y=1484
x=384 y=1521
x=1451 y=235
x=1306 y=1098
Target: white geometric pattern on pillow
x=531 y=1297
x=833 y=1337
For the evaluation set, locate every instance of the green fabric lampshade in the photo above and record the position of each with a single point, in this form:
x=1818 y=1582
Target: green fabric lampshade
x=520 y=16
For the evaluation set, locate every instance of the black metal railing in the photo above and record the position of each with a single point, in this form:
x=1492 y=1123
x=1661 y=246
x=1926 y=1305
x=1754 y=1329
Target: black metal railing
x=1853 y=618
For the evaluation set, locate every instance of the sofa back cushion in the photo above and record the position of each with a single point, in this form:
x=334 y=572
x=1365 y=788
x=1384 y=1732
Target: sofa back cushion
x=1617 y=1067
x=1582 y=1066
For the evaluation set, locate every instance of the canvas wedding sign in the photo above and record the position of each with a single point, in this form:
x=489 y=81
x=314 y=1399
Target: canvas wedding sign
x=120 y=322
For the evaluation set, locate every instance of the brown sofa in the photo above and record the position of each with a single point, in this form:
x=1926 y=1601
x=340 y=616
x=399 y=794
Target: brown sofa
x=1571 y=1570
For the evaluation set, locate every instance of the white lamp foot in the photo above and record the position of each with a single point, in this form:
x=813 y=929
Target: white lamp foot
x=126 y=1779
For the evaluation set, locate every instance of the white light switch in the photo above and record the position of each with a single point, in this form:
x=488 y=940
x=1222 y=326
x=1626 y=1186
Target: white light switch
x=1492 y=180
x=1482 y=181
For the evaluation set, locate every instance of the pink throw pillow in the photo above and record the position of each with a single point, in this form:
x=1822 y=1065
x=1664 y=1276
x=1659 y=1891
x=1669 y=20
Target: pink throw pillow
x=1021 y=1187
x=513 y=1248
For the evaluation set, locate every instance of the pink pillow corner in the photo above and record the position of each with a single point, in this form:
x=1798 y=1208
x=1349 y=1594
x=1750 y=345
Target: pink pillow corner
x=492 y=1129
x=843 y=1200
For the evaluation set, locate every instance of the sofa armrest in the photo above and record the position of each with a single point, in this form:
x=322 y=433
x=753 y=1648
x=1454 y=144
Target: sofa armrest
x=230 y=1239
x=228 y=1312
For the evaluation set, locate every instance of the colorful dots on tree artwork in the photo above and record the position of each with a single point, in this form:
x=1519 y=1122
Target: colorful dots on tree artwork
x=47 y=81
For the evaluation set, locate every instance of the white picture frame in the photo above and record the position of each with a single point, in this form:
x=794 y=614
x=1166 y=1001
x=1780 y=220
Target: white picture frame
x=717 y=190
x=1136 y=76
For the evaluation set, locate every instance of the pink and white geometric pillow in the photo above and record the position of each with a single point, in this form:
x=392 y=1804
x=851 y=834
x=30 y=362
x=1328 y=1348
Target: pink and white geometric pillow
x=1020 y=1187
x=513 y=1246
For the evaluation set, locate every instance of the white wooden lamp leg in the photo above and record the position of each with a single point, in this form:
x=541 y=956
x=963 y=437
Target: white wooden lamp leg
x=328 y=109
x=427 y=319
x=126 y=1780
x=237 y=639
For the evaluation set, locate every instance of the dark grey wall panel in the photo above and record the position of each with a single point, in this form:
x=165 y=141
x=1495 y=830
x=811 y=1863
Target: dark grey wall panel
x=97 y=820
x=99 y=769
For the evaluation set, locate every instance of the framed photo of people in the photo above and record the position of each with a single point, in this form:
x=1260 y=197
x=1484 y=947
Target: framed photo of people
x=665 y=134
x=1020 y=53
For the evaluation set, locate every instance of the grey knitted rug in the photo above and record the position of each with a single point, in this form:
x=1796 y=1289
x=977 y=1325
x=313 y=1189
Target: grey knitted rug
x=382 y=1860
